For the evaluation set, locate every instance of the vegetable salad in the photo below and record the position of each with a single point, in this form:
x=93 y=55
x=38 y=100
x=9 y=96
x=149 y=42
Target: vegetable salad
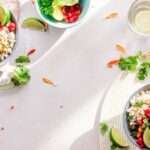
x=139 y=117
x=61 y=10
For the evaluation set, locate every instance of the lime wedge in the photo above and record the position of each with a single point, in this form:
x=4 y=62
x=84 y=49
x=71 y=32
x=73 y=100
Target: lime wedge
x=57 y=14
x=142 y=21
x=4 y=15
x=33 y=24
x=146 y=137
x=117 y=138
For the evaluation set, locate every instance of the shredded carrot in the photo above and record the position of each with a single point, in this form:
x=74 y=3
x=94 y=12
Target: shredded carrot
x=112 y=15
x=113 y=62
x=120 y=48
x=47 y=81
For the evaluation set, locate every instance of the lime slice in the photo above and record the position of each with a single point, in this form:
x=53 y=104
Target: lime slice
x=33 y=24
x=142 y=21
x=4 y=15
x=57 y=14
x=117 y=138
x=146 y=137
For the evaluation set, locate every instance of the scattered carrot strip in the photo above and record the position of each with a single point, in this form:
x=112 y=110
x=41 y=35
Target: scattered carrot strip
x=33 y=1
x=113 y=62
x=31 y=52
x=112 y=15
x=120 y=48
x=47 y=81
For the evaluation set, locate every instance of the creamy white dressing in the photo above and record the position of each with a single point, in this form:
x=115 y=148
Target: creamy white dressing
x=5 y=75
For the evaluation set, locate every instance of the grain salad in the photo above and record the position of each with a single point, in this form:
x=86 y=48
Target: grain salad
x=7 y=41
x=139 y=118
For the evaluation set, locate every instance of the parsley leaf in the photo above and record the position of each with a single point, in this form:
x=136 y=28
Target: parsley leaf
x=103 y=127
x=23 y=59
x=143 y=71
x=129 y=63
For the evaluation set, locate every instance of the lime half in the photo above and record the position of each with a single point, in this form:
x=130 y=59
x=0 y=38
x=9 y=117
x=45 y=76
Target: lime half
x=117 y=138
x=4 y=15
x=33 y=24
x=146 y=137
x=142 y=21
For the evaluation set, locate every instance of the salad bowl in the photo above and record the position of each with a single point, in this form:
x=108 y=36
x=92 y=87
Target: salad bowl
x=84 y=4
x=14 y=49
x=126 y=121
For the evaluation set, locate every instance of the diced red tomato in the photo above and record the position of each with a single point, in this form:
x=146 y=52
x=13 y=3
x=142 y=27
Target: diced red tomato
x=1 y=27
x=12 y=26
x=140 y=142
x=140 y=122
x=71 y=13
x=113 y=62
x=147 y=113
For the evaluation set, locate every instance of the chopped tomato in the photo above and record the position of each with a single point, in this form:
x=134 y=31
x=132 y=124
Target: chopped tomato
x=140 y=122
x=140 y=142
x=12 y=26
x=147 y=113
x=113 y=62
x=1 y=27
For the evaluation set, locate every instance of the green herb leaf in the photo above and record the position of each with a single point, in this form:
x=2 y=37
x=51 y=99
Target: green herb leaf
x=138 y=104
x=20 y=75
x=143 y=71
x=130 y=117
x=129 y=63
x=103 y=128
x=113 y=146
x=46 y=7
x=23 y=59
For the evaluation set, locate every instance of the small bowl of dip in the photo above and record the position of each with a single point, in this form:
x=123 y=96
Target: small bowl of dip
x=139 y=17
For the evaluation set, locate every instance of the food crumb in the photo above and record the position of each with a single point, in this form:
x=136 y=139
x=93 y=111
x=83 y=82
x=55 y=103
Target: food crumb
x=61 y=106
x=12 y=107
x=2 y=128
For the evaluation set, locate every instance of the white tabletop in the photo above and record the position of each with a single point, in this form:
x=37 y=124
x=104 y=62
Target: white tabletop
x=75 y=59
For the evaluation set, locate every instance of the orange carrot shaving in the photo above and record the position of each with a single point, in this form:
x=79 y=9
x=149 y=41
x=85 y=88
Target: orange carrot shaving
x=113 y=62
x=47 y=81
x=112 y=15
x=33 y=1
x=120 y=48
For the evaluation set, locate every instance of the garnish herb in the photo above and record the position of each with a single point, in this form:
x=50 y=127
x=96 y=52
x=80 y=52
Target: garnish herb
x=113 y=146
x=130 y=117
x=20 y=75
x=103 y=128
x=46 y=7
x=129 y=63
x=138 y=104
x=143 y=71
x=23 y=59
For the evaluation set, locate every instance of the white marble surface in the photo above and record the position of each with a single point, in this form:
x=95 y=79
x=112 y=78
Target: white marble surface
x=76 y=60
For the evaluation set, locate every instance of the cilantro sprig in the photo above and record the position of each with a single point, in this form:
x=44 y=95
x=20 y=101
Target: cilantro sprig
x=135 y=64
x=129 y=63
